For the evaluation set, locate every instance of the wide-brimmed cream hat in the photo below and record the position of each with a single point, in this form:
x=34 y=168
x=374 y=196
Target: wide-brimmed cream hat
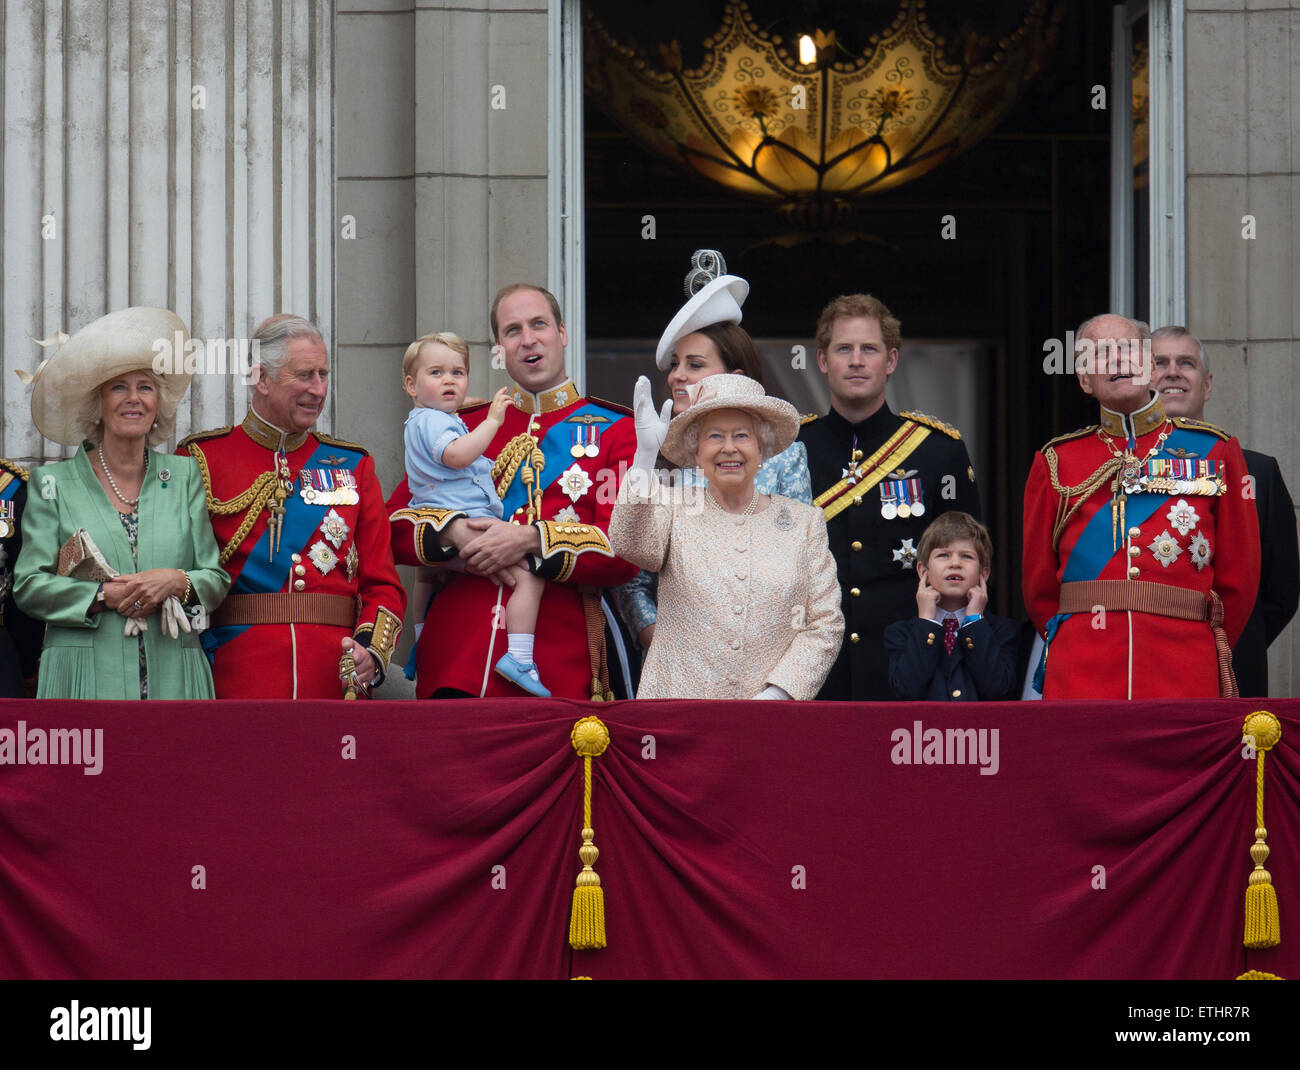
x=123 y=341
x=727 y=390
x=715 y=297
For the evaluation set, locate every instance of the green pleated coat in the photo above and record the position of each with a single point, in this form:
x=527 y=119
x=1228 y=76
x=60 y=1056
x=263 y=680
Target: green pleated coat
x=86 y=656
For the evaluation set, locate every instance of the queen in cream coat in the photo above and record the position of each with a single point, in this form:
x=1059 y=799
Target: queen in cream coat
x=749 y=600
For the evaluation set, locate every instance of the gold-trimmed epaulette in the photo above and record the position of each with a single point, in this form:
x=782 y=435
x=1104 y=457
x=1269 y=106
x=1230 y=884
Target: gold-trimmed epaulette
x=931 y=421
x=17 y=469
x=1200 y=425
x=809 y=418
x=342 y=443
x=612 y=405
x=200 y=436
x=1069 y=435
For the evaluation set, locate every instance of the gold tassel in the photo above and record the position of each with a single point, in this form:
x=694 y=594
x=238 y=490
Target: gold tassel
x=589 y=737
x=1263 y=926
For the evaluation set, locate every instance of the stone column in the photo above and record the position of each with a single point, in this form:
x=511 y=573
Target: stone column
x=163 y=152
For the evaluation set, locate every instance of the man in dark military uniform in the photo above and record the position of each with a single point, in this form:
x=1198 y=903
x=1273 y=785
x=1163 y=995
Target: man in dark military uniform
x=20 y=636
x=881 y=478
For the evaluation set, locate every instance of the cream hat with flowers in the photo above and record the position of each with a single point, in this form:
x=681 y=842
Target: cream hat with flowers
x=730 y=391
x=128 y=340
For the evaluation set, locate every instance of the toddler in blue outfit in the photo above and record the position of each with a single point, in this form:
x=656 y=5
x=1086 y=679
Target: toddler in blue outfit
x=446 y=469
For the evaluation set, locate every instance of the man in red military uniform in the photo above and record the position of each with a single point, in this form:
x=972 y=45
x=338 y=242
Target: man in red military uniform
x=303 y=531
x=558 y=459
x=1141 y=549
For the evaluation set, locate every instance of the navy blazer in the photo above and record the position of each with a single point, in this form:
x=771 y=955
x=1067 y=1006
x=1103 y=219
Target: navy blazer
x=982 y=664
x=1279 y=575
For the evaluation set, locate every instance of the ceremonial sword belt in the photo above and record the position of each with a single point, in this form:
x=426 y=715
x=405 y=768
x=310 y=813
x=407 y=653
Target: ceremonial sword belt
x=1159 y=599
x=335 y=610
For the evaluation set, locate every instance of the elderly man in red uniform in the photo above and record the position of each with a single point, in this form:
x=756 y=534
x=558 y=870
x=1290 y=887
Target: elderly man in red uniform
x=1141 y=549
x=558 y=458
x=300 y=519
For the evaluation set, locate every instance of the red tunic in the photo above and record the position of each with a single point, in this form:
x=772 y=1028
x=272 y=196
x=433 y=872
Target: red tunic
x=1196 y=541
x=298 y=660
x=464 y=632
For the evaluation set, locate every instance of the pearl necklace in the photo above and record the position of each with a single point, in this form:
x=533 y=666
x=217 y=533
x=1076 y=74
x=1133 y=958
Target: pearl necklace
x=748 y=511
x=132 y=502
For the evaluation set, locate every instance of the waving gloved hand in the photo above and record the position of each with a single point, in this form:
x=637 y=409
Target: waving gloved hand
x=651 y=426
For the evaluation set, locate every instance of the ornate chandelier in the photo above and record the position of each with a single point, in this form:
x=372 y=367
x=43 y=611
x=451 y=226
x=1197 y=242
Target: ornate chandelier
x=798 y=123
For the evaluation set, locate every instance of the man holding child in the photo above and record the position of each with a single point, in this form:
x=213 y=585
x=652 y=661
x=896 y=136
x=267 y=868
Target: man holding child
x=556 y=461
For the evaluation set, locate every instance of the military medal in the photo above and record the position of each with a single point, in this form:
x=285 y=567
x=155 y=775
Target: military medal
x=904 y=510
x=322 y=557
x=6 y=519
x=888 y=500
x=335 y=528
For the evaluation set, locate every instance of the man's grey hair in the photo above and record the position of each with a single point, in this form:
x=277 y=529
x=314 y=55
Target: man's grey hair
x=274 y=335
x=1143 y=331
x=1175 y=330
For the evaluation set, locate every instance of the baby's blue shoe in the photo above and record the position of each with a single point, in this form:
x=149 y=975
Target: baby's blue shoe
x=521 y=675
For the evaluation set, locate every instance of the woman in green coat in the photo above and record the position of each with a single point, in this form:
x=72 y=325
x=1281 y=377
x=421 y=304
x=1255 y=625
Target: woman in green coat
x=144 y=511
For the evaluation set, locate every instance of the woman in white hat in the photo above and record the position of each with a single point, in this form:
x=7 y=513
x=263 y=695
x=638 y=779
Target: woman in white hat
x=705 y=338
x=749 y=601
x=118 y=553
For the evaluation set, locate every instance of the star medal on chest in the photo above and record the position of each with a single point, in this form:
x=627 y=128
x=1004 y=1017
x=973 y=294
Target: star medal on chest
x=335 y=528
x=905 y=555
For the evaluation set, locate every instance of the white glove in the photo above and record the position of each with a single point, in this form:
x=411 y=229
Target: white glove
x=134 y=626
x=651 y=426
x=771 y=691
x=174 y=618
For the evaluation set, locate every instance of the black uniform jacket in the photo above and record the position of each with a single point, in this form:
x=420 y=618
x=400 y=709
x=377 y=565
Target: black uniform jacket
x=876 y=556
x=1279 y=575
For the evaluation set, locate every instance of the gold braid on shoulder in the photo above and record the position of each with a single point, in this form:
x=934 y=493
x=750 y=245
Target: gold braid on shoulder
x=512 y=455
x=1082 y=492
x=254 y=499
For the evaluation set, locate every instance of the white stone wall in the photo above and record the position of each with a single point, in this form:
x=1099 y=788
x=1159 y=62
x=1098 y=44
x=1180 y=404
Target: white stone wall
x=1243 y=294
x=183 y=151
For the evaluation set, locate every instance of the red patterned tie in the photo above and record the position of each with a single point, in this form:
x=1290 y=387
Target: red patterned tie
x=949 y=633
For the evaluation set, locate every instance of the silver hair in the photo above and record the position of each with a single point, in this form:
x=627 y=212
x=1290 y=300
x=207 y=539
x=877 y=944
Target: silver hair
x=1143 y=331
x=274 y=335
x=765 y=431
x=90 y=418
x=1175 y=330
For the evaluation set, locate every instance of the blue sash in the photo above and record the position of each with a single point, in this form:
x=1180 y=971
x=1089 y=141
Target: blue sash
x=264 y=573
x=1095 y=547
x=555 y=447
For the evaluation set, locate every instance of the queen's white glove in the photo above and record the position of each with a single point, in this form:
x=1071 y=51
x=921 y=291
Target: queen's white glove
x=174 y=618
x=771 y=691
x=651 y=426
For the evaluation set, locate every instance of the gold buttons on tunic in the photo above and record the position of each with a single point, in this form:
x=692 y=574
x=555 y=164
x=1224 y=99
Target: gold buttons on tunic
x=854 y=637
x=299 y=585
x=296 y=558
x=854 y=592
x=957 y=693
x=1134 y=572
x=857 y=500
x=299 y=570
x=929 y=639
x=855 y=546
x=1133 y=533
x=1133 y=551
